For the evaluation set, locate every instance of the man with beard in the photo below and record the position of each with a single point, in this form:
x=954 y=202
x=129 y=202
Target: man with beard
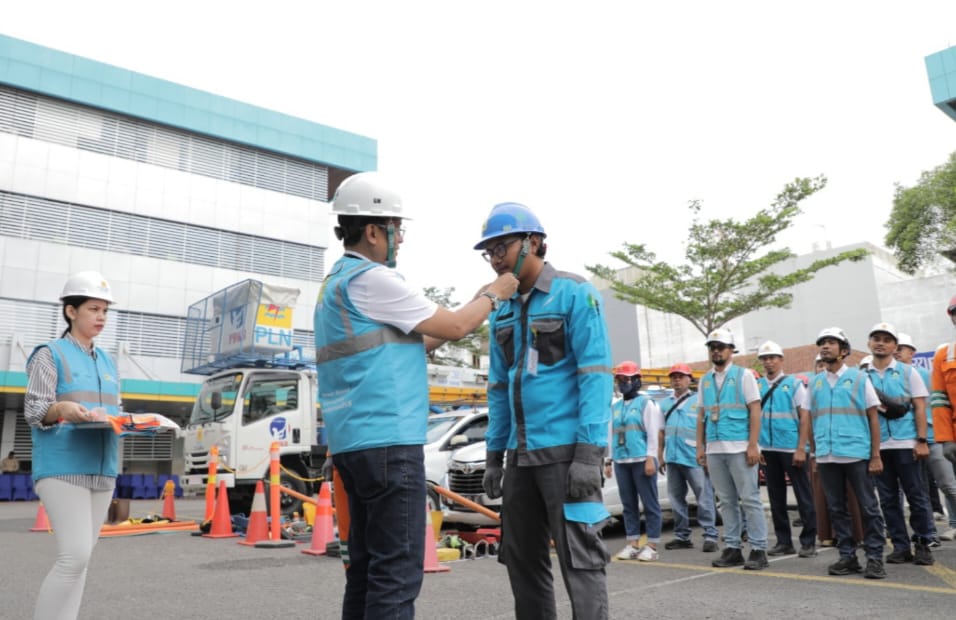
x=728 y=428
x=846 y=441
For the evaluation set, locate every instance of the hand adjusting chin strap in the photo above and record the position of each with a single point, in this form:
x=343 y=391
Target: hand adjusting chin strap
x=525 y=250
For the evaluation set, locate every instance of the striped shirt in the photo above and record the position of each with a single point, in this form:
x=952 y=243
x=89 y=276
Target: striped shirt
x=41 y=395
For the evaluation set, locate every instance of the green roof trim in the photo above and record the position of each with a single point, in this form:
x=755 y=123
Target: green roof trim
x=47 y=71
x=941 y=69
x=16 y=382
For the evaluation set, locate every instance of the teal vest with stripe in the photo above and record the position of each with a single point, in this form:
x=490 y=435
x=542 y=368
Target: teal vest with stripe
x=840 y=425
x=629 y=436
x=779 y=419
x=66 y=449
x=733 y=417
x=373 y=380
x=895 y=382
x=680 y=431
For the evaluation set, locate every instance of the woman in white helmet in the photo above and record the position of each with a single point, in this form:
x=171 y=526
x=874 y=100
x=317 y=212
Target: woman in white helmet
x=72 y=383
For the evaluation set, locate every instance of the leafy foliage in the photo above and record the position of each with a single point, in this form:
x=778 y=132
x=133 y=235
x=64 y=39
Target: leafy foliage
x=728 y=269
x=922 y=224
x=474 y=343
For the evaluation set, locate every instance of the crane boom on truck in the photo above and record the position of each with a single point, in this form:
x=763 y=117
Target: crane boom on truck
x=259 y=388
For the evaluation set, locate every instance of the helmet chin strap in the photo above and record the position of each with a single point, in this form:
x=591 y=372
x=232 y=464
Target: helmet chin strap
x=390 y=256
x=525 y=250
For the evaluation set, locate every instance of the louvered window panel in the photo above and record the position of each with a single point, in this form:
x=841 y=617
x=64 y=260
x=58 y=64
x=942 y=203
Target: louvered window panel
x=158 y=447
x=86 y=228
x=13 y=216
x=202 y=246
x=98 y=131
x=23 y=439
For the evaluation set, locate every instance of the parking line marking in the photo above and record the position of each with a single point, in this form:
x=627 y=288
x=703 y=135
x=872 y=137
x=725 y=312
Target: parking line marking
x=946 y=574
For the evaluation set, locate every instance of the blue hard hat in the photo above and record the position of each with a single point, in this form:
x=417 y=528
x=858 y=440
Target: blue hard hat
x=509 y=218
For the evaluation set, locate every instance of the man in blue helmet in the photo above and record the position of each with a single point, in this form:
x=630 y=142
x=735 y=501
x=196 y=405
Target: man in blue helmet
x=549 y=394
x=371 y=334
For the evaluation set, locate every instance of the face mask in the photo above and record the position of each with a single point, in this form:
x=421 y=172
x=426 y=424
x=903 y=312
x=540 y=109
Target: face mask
x=630 y=388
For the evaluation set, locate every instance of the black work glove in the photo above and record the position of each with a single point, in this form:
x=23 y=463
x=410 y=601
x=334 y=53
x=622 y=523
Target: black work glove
x=949 y=451
x=494 y=472
x=584 y=480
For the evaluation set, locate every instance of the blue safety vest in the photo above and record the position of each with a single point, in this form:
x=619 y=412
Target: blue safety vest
x=680 y=431
x=732 y=416
x=628 y=434
x=67 y=449
x=840 y=424
x=779 y=418
x=895 y=382
x=373 y=380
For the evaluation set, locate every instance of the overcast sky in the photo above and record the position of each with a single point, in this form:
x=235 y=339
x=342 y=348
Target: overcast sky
x=606 y=118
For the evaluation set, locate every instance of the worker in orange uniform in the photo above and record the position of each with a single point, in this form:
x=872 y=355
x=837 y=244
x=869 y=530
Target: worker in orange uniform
x=943 y=393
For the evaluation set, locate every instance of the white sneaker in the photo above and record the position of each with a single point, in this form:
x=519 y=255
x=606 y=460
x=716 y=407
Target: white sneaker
x=629 y=552
x=938 y=516
x=949 y=534
x=647 y=554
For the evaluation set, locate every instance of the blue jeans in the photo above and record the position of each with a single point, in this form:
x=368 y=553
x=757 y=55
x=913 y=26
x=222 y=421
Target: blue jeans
x=679 y=477
x=735 y=483
x=901 y=470
x=942 y=471
x=633 y=485
x=386 y=489
x=835 y=477
x=779 y=467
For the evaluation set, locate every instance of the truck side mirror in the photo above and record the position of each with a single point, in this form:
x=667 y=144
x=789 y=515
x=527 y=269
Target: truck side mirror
x=215 y=401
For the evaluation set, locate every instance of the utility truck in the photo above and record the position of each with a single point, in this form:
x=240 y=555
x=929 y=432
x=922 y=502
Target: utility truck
x=259 y=388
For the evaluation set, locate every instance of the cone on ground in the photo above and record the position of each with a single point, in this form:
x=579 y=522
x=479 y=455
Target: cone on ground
x=432 y=565
x=169 y=500
x=221 y=519
x=323 y=529
x=42 y=522
x=258 y=528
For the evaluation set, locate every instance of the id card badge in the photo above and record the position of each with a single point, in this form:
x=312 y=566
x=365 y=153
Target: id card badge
x=714 y=414
x=532 y=361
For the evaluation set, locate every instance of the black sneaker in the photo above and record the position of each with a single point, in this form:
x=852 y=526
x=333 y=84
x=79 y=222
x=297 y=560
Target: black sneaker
x=781 y=549
x=899 y=557
x=710 y=546
x=845 y=566
x=807 y=551
x=874 y=570
x=757 y=560
x=730 y=557
x=678 y=543
x=923 y=556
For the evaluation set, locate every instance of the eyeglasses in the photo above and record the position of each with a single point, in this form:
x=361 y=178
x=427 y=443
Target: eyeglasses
x=399 y=230
x=717 y=346
x=499 y=250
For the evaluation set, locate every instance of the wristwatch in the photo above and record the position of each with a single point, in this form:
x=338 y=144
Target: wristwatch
x=921 y=440
x=494 y=299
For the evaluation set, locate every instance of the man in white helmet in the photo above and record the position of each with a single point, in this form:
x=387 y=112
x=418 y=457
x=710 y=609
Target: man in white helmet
x=784 y=437
x=372 y=331
x=846 y=442
x=903 y=444
x=728 y=429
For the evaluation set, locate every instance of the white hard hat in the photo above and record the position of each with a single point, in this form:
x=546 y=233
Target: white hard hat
x=833 y=332
x=722 y=335
x=904 y=340
x=87 y=284
x=366 y=194
x=866 y=361
x=886 y=328
x=769 y=348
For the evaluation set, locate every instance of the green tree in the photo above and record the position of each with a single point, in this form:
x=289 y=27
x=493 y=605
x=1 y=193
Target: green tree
x=474 y=343
x=728 y=272
x=922 y=224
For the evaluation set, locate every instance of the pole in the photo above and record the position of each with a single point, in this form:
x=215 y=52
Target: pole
x=211 y=482
x=275 y=534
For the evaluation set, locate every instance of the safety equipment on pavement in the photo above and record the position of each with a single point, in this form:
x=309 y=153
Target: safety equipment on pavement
x=584 y=480
x=833 y=332
x=721 y=336
x=680 y=369
x=769 y=348
x=87 y=284
x=949 y=451
x=951 y=307
x=904 y=340
x=366 y=194
x=627 y=368
x=509 y=218
x=884 y=327
x=494 y=473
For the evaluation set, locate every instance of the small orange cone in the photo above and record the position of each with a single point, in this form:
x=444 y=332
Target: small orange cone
x=42 y=523
x=221 y=519
x=169 y=497
x=323 y=529
x=432 y=565
x=258 y=528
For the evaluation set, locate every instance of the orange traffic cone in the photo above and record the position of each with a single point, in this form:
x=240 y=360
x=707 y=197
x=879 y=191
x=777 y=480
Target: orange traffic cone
x=432 y=564
x=169 y=500
x=221 y=519
x=42 y=523
x=258 y=528
x=323 y=530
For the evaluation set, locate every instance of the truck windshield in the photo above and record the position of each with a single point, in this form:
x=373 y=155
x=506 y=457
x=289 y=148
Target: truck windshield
x=226 y=387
